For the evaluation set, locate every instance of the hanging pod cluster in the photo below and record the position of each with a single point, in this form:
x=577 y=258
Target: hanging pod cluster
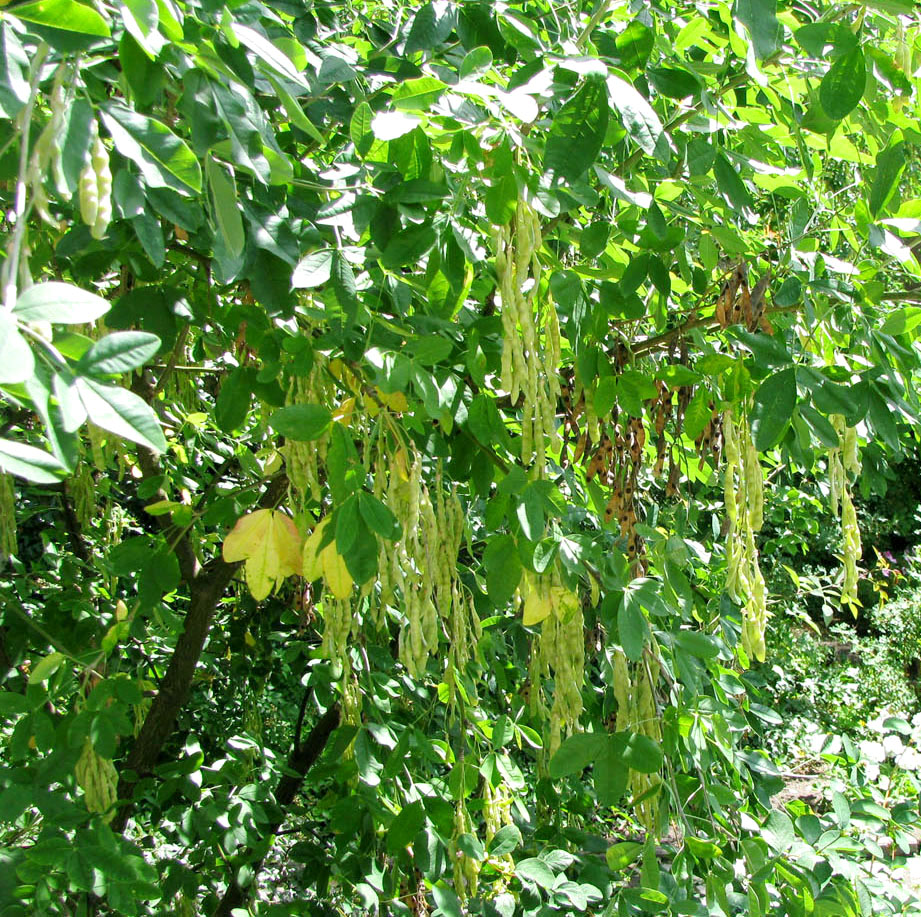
x=530 y=334
x=48 y=149
x=634 y=691
x=743 y=486
x=304 y=460
x=98 y=779
x=843 y=460
x=559 y=653
x=95 y=187
x=418 y=573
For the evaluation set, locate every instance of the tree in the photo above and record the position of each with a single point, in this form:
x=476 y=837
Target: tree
x=387 y=399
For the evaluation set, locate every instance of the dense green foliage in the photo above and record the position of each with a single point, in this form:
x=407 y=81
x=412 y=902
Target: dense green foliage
x=408 y=415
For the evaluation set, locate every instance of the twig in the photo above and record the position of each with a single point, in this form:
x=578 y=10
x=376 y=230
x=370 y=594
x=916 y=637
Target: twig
x=11 y=266
x=173 y=360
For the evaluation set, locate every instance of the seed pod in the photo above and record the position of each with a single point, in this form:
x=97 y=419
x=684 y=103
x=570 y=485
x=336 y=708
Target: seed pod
x=99 y=160
x=98 y=779
x=88 y=190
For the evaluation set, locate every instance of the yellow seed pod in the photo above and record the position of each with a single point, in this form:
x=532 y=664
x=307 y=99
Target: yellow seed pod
x=100 y=162
x=88 y=191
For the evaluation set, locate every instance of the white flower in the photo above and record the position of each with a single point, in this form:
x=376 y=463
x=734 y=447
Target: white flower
x=872 y=751
x=893 y=745
x=872 y=771
x=909 y=760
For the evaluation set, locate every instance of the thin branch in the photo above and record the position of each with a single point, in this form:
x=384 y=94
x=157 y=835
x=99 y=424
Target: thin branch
x=591 y=25
x=11 y=266
x=695 y=321
x=173 y=360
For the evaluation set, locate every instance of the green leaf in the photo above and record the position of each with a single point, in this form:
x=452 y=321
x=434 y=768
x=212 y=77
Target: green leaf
x=294 y=111
x=503 y=568
x=431 y=26
x=505 y=840
x=418 y=95
x=731 y=186
x=535 y=871
x=576 y=753
x=348 y=522
x=234 y=399
x=902 y=320
x=447 y=902
x=760 y=19
x=530 y=514
x=301 y=423
x=14 y=69
x=379 y=518
x=637 y=115
x=121 y=412
x=697 y=644
x=150 y=234
x=605 y=396
x=45 y=668
x=59 y=302
x=360 y=128
x=63 y=14
x=889 y=166
x=815 y=37
x=620 y=856
x=673 y=82
x=17 y=362
x=476 y=60
x=772 y=409
x=819 y=426
x=577 y=132
x=634 y=45
x=226 y=209
x=268 y=54
x=313 y=270
x=163 y=158
x=609 y=772
x=632 y=627
x=345 y=288
x=633 y=388
x=843 y=85
x=30 y=463
x=643 y=754
x=118 y=353
x=408 y=246
x=404 y=828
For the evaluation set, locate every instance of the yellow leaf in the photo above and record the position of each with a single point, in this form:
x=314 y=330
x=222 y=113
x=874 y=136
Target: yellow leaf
x=248 y=530
x=269 y=542
x=343 y=413
x=400 y=463
x=338 y=370
x=536 y=608
x=312 y=567
x=396 y=401
x=335 y=572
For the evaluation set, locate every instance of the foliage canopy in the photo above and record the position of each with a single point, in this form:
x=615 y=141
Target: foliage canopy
x=389 y=393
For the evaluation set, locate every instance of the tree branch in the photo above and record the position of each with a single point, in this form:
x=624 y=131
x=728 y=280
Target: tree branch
x=206 y=586
x=302 y=758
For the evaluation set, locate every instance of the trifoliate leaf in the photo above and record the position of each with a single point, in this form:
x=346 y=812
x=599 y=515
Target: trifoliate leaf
x=270 y=544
